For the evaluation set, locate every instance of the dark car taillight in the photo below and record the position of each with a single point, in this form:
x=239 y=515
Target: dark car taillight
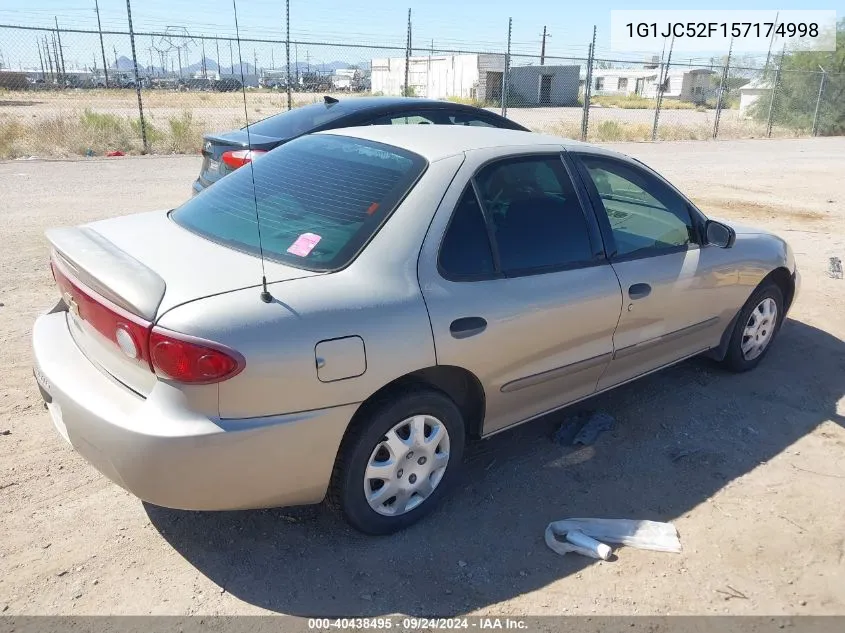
x=191 y=360
x=240 y=157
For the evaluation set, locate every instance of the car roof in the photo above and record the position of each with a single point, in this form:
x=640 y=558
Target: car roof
x=435 y=142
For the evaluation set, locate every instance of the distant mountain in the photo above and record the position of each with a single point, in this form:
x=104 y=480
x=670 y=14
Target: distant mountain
x=125 y=64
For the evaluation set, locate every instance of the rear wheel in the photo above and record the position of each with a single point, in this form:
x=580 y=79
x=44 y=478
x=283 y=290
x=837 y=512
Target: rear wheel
x=756 y=328
x=398 y=461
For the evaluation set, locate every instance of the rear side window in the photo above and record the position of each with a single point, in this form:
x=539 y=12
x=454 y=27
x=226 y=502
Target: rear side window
x=320 y=198
x=465 y=251
x=538 y=221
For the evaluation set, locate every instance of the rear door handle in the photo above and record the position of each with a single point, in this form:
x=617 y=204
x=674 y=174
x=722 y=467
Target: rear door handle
x=639 y=291
x=467 y=326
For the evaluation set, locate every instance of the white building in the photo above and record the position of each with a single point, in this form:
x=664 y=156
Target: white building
x=694 y=85
x=440 y=76
x=750 y=93
x=346 y=79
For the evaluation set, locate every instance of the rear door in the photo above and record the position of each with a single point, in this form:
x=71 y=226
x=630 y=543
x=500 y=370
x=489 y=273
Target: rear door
x=673 y=289
x=516 y=284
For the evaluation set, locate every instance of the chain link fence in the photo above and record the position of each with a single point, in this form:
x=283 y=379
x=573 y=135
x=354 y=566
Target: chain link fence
x=79 y=93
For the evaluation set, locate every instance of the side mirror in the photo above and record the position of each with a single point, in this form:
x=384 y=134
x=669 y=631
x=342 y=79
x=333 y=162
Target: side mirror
x=719 y=234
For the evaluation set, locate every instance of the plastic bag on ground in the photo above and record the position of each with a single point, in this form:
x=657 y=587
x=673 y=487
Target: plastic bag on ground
x=651 y=535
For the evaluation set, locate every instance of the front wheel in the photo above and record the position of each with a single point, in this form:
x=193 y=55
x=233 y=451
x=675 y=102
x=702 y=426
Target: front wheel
x=398 y=461
x=756 y=327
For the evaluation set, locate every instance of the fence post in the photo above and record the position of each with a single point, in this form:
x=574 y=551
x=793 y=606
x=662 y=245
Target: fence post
x=406 y=91
x=722 y=88
x=137 y=79
x=287 y=49
x=102 y=47
x=774 y=94
x=818 y=103
x=661 y=89
x=588 y=87
x=505 y=75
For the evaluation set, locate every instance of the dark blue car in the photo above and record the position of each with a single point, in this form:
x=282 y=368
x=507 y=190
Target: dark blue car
x=225 y=152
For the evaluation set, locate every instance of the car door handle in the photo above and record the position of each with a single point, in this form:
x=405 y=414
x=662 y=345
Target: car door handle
x=639 y=291
x=468 y=326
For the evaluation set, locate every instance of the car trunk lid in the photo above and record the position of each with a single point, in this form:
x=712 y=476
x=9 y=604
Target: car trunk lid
x=127 y=272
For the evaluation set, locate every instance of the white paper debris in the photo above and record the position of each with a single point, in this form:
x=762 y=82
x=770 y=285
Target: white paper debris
x=651 y=535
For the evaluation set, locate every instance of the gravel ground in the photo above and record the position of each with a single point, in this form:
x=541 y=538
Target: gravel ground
x=749 y=467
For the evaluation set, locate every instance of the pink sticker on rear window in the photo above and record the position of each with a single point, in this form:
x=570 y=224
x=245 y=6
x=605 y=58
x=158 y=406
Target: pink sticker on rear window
x=304 y=244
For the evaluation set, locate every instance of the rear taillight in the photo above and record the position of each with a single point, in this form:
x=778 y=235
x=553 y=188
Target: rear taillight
x=172 y=355
x=240 y=157
x=129 y=332
x=191 y=360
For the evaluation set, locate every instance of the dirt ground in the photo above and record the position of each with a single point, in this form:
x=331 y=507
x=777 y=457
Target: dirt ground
x=750 y=468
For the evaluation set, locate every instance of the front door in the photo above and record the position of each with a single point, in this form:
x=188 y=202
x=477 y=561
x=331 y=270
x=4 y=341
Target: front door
x=517 y=287
x=673 y=289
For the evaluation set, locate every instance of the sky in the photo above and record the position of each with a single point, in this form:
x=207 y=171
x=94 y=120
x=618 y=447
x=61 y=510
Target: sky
x=449 y=24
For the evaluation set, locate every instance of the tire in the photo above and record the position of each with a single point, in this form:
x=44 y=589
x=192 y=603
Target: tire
x=411 y=464
x=736 y=359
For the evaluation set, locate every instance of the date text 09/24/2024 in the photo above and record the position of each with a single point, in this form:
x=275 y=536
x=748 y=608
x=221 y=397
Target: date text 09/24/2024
x=406 y=623
x=722 y=29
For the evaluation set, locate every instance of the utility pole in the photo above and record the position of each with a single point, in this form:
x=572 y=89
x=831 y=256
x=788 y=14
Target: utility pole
x=543 y=47
x=102 y=47
x=40 y=58
x=47 y=56
x=61 y=51
x=204 y=69
x=114 y=48
x=287 y=49
x=56 y=63
x=254 y=62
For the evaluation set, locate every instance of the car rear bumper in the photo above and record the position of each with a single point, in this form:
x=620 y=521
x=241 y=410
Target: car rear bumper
x=164 y=453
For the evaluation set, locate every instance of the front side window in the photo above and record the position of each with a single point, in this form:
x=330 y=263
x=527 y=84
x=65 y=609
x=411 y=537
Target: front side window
x=644 y=214
x=319 y=199
x=536 y=218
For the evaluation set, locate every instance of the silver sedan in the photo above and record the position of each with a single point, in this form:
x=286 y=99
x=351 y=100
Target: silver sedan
x=340 y=318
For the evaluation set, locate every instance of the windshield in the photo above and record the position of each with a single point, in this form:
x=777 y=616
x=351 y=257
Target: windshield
x=320 y=198
x=298 y=121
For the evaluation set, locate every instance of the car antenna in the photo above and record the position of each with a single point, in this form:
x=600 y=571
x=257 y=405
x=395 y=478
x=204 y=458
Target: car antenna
x=329 y=100
x=266 y=297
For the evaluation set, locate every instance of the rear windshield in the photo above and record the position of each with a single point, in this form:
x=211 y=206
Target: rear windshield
x=298 y=121
x=319 y=199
